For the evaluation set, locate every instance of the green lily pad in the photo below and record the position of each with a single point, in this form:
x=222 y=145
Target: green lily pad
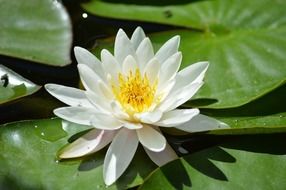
x=204 y=15
x=264 y=115
x=28 y=159
x=14 y=86
x=35 y=30
x=250 y=162
x=243 y=41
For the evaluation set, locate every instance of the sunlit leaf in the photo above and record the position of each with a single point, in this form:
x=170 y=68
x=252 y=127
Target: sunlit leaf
x=243 y=41
x=253 y=162
x=28 y=159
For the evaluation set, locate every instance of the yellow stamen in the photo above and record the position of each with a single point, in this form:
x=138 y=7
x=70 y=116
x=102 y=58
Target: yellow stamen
x=134 y=92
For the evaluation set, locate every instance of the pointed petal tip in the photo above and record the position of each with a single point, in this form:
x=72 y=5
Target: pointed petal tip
x=121 y=32
x=177 y=38
x=50 y=87
x=139 y=29
x=78 y=50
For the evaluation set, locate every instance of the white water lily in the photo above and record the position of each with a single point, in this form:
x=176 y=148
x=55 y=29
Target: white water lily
x=127 y=97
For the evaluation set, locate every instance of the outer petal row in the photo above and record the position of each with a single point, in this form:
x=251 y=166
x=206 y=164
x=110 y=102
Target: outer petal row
x=86 y=58
x=119 y=155
x=91 y=142
x=177 y=117
x=68 y=95
x=202 y=123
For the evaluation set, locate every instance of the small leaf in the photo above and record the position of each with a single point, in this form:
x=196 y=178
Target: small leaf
x=14 y=86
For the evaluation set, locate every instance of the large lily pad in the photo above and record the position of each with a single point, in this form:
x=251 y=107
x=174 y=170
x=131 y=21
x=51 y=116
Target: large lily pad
x=264 y=115
x=28 y=159
x=35 y=30
x=254 y=162
x=14 y=86
x=200 y=15
x=243 y=40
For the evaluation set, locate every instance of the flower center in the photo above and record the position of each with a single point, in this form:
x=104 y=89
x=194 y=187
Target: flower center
x=134 y=92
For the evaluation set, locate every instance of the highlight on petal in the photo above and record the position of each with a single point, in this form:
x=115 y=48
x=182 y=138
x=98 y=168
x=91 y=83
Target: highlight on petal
x=122 y=47
x=119 y=155
x=163 y=157
x=168 y=49
x=180 y=96
x=93 y=82
x=149 y=117
x=79 y=115
x=151 y=138
x=144 y=53
x=152 y=69
x=177 y=117
x=129 y=65
x=170 y=67
x=110 y=64
x=132 y=126
x=118 y=111
x=68 y=95
x=88 y=77
x=105 y=122
x=89 y=143
x=100 y=102
x=83 y=56
x=137 y=37
x=202 y=123
x=191 y=74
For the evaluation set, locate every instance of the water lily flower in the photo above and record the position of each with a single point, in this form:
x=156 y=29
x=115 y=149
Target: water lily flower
x=128 y=96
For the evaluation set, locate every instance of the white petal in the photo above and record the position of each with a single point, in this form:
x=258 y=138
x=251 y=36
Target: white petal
x=129 y=64
x=105 y=122
x=118 y=112
x=149 y=117
x=104 y=90
x=119 y=155
x=122 y=47
x=168 y=49
x=202 y=123
x=180 y=96
x=144 y=53
x=137 y=37
x=177 y=117
x=92 y=81
x=79 y=115
x=170 y=68
x=152 y=69
x=83 y=56
x=88 y=77
x=132 y=126
x=90 y=142
x=100 y=102
x=191 y=74
x=163 y=91
x=68 y=95
x=110 y=64
x=163 y=157
x=151 y=138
